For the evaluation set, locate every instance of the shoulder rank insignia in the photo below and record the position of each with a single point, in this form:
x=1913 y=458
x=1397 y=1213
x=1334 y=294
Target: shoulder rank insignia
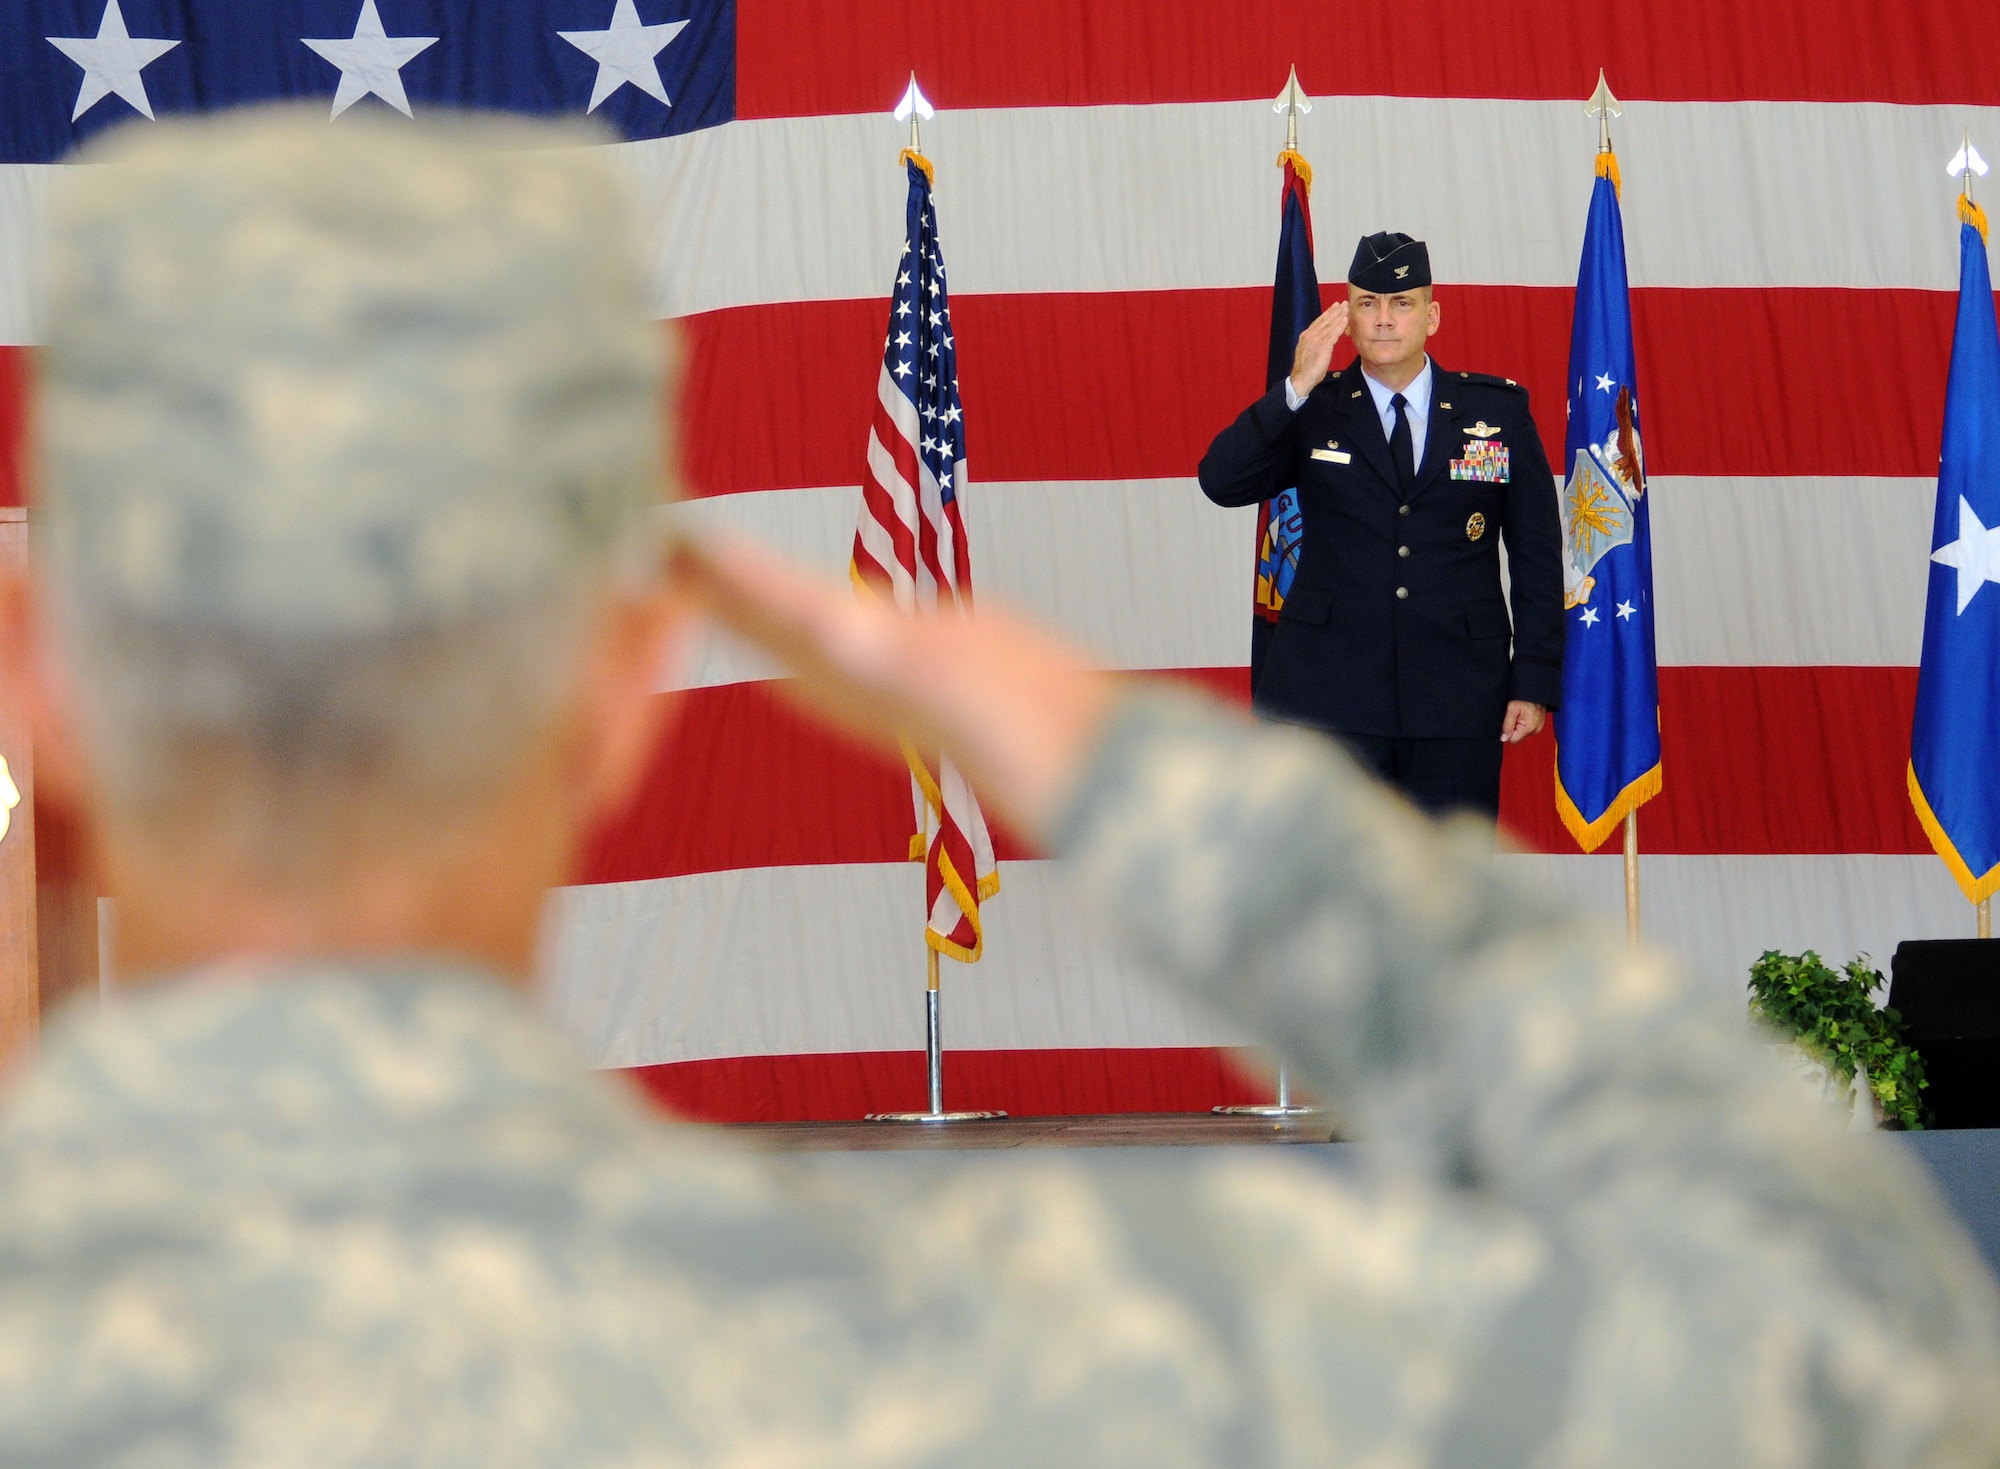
x=1482 y=430
x=1475 y=527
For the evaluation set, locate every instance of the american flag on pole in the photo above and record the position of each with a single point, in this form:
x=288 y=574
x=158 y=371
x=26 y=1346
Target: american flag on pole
x=910 y=548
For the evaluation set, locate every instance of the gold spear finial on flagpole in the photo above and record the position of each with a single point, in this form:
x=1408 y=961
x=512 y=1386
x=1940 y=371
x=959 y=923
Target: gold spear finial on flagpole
x=1292 y=101
x=1603 y=106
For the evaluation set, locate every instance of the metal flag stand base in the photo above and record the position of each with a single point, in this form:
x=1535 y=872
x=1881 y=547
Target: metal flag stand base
x=1281 y=1106
x=934 y=1061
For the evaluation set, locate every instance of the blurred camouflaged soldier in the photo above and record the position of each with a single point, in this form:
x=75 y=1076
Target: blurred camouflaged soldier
x=350 y=617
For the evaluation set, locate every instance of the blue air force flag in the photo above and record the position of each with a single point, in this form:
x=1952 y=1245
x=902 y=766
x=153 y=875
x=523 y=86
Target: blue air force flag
x=1953 y=783
x=1294 y=305
x=1608 y=730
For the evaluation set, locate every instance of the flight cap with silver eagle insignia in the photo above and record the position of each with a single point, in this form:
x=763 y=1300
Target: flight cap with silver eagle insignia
x=1388 y=262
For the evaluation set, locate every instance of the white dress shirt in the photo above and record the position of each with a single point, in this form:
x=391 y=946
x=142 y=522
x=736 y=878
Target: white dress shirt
x=1417 y=406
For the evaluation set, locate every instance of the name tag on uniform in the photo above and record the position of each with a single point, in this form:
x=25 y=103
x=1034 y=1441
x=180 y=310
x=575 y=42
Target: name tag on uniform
x=1333 y=456
x=1481 y=460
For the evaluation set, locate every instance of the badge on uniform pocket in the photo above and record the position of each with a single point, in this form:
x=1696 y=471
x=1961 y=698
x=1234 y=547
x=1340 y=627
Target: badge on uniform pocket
x=1475 y=527
x=1333 y=453
x=1481 y=460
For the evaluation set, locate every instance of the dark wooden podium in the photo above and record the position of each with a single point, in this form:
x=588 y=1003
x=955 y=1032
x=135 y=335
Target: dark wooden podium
x=48 y=896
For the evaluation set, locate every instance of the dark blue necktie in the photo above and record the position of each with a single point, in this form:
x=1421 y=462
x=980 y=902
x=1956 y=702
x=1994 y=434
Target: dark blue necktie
x=1401 y=446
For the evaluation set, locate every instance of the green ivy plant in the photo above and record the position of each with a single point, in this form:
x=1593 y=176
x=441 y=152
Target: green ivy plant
x=1831 y=1015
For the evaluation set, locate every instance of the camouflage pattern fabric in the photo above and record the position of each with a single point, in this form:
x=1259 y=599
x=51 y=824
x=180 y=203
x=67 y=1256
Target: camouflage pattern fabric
x=376 y=1215
x=344 y=382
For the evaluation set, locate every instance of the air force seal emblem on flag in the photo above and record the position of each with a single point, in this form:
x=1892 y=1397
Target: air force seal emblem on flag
x=1605 y=484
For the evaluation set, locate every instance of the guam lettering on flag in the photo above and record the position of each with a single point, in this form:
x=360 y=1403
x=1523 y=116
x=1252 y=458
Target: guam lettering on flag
x=1294 y=305
x=1951 y=777
x=1608 y=729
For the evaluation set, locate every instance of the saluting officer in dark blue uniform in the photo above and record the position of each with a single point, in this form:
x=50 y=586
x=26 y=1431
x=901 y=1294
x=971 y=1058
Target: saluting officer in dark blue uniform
x=1395 y=634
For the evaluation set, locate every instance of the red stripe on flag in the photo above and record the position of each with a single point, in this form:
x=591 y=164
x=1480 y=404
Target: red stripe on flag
x=1758 y=760
x=1818 y=382
x=802 y=57
x=846 y=1086
x=741 y=779
x=14 y=364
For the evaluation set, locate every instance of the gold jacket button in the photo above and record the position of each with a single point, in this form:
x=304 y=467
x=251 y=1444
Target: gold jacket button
x=1402 y=594
x=1402 y=550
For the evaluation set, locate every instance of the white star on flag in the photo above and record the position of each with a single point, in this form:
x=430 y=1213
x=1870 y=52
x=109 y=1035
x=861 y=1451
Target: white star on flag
x=1624 y=610
x=1975 y=555
x=371 y=60
x=1604 y=382
x=625 y=51
x=1590 y=617
x=111 y=62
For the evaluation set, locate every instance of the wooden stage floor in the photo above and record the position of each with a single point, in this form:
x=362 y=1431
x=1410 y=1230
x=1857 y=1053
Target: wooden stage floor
x=1133 y=1130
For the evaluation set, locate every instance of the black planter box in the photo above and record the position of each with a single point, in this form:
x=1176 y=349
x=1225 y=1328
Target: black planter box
x=1948 y=993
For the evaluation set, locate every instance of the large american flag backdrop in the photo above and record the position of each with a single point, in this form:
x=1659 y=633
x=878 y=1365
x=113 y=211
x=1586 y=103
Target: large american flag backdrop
x=750 y=930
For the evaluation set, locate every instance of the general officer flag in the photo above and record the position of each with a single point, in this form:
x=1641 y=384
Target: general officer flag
x=1294 y=305
x=1608 y=730
x=1952 y=742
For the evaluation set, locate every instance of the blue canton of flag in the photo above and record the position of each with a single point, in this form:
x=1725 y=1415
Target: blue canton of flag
x=1952 y=741
x=1294 y=305
x=648 y=68
x=1608 y=730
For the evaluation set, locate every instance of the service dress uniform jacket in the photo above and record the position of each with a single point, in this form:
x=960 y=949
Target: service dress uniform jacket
x=1396 y=623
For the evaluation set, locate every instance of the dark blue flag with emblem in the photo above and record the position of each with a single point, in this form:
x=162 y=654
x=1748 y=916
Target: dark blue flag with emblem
x=1608 y=730
x=1294 y=305
x=1953 y=781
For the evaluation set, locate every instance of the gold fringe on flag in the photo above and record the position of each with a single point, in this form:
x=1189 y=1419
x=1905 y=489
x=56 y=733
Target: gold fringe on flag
x=1590 y=835
x=911 y=155
x=1977 y=887
x=1970 y=213
x=1607 y=168
x=1299 y=166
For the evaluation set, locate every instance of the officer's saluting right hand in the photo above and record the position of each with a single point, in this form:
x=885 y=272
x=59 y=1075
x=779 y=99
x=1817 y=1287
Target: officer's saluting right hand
x=1312 y=359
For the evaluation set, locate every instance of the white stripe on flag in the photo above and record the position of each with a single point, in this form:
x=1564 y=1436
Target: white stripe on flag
x=1157 y=197
x=691 y=968
x=1147 y=574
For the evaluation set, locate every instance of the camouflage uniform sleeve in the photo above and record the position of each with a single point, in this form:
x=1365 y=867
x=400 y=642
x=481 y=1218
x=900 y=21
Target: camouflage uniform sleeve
x=1728 y=1277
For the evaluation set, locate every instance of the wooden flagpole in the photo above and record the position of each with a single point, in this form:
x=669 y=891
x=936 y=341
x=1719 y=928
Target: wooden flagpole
x=1632 y=877
x=20 y=966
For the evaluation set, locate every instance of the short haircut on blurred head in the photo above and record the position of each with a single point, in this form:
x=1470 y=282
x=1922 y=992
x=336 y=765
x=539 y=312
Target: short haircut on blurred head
x=344 y=430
